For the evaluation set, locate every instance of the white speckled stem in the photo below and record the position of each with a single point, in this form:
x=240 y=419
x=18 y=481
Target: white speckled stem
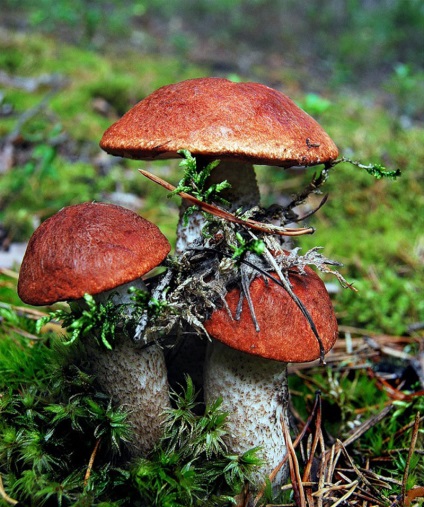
x=255 y=394
x=135 y=378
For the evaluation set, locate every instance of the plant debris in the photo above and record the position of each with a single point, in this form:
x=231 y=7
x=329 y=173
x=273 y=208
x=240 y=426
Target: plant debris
x=229 y=254
x=328 y=476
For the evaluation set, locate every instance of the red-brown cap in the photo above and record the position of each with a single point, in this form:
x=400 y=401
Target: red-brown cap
x=88 y=248
x=217 y=118
x=285 y=334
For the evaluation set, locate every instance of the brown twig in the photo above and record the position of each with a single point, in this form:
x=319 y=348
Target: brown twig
x=219 y=212
x=402 y=430
x=5 y=496
x=294 y=469
x=23 y=333
x=414 y=437
x=317 y=438
x=30 y=313
x=295 y=444
x=415 y=492
x=10 y=273
x=91 y=462
x=366 y=425
x=392 y=392
x=321 y=476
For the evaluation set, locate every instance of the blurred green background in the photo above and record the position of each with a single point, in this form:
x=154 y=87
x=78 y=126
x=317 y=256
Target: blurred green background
x=68 y=69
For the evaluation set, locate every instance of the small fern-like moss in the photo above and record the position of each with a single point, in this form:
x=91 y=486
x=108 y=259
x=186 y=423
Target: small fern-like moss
x=54 y=421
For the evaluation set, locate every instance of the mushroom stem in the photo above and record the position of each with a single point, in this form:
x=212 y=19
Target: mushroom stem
x=247 y=367
x=134 y=377
x=244 y=193
x=255 y=395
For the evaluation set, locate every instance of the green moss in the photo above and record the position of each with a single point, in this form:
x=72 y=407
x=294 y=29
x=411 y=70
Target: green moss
x=43 y=186
x=374 y=227
x=84 y=75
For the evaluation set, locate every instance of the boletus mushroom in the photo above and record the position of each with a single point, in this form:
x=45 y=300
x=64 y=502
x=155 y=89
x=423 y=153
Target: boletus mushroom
x=247 y=368
x=240 y=124
x=103 y=249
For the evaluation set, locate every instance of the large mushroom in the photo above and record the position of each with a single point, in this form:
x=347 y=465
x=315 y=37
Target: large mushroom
x=240 y=124
x=247 y=368
x=103 y=249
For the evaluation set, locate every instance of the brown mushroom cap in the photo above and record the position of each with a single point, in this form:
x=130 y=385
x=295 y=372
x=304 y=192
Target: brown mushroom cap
x=285 y=334
x=88 y=248
x=218 y=118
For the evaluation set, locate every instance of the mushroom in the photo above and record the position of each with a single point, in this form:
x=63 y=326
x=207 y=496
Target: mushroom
x=103 y=249
x=240 y=124
x=248 y=369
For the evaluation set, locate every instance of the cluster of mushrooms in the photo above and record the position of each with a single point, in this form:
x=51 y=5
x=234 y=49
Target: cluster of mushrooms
x=251 y=316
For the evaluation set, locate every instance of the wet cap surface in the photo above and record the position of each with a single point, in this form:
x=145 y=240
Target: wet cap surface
x=217 y=118
x=88 y=248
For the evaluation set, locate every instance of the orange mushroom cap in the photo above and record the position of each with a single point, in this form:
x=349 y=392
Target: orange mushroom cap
x=285 y=333
x=88 y=248
x=218 y=118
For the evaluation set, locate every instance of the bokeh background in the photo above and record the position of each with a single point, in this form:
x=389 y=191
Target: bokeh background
x=68 y=69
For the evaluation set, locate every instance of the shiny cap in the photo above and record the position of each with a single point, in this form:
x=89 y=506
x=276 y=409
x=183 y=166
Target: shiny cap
x=217 y=118
x=88 y=248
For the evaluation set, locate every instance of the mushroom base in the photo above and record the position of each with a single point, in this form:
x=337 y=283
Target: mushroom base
x=255 y=394
x=135 y=379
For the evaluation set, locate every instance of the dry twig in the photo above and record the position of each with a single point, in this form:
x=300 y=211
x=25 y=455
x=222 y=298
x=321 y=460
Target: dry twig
x=5 y=496
x=219 y=212
x=91 y=462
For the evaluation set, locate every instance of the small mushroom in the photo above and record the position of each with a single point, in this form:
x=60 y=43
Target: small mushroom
x=247 y=368
x=99 y=249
